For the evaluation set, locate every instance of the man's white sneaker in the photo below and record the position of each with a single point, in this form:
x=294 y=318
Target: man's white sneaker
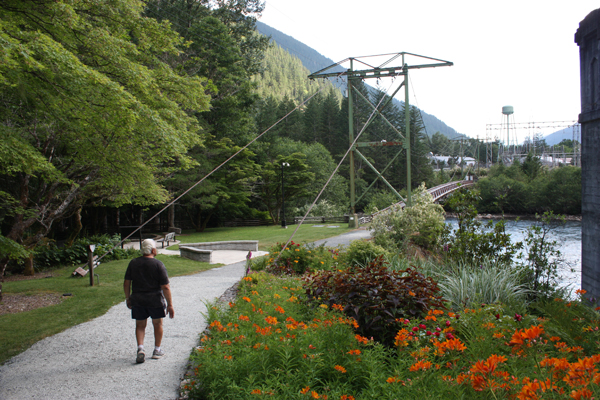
x=140 y=356
x=157 y=354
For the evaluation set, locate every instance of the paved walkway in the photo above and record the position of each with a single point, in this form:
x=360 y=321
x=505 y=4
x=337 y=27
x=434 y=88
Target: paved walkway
x=96 y=359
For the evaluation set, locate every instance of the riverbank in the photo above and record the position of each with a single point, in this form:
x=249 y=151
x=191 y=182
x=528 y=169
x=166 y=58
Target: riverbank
x=527 y=217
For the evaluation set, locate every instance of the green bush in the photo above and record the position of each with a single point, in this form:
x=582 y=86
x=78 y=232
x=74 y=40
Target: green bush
x=297 y=259
x=422 y=224
x=51 y=256
x=362 y=252
x=377 y=298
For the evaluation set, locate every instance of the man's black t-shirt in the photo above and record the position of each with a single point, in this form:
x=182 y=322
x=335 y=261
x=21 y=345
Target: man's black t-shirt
x=147 y=275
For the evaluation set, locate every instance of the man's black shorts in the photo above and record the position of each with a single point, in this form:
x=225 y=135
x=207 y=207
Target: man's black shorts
x=142 y=313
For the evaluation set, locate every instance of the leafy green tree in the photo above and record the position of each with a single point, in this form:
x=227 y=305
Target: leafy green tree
x=85 y=93
x=297 y=179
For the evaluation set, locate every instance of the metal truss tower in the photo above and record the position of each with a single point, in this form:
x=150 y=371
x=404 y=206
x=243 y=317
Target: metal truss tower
x=378 y=70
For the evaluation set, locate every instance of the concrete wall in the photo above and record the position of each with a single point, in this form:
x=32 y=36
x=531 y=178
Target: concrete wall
x=247 y=245
x=203 y=251
x=588 y=40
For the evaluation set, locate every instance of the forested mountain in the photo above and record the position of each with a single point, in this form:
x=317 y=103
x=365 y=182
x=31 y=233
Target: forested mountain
x=284 y=75
x=315 y=61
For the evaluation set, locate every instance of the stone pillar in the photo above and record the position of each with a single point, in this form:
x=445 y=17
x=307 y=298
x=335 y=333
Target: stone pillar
x=588 y=40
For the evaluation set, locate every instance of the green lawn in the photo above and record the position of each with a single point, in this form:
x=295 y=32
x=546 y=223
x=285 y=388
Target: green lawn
x=267 y=236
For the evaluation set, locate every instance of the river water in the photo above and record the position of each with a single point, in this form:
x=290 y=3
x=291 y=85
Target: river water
x=568 y=238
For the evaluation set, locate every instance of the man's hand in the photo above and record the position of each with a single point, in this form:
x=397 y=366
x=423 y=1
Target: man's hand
x=171 y=311
x=128 y=302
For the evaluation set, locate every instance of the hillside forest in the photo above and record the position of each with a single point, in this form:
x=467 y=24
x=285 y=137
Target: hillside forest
x=109 y=110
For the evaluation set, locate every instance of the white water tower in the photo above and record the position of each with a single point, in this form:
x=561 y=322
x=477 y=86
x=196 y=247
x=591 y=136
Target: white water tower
x=508 y=111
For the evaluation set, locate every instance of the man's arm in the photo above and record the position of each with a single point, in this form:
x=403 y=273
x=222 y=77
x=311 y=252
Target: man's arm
x=167 y=293
x=127 y=290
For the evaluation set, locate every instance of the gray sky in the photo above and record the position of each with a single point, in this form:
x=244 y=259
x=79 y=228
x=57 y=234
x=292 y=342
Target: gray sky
x=518 y=53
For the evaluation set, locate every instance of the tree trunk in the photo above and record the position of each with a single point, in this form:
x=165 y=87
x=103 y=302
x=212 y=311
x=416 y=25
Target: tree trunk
x=171 y=216
x=199 y=226
x=76 y=229
x=29 y=266
x=3 y=264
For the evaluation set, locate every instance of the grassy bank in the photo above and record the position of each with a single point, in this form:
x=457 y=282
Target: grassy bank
x=267 y=236
x=19 y=331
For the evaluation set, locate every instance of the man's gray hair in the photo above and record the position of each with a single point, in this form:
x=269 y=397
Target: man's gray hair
x=147 y=246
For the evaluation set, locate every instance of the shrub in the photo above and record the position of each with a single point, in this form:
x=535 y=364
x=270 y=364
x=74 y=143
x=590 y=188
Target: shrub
x=362 y=252
x=375 y=296
x=543 y=257
x=421 y=224
x=50 y=256
x=297 y=259
x=473 y=242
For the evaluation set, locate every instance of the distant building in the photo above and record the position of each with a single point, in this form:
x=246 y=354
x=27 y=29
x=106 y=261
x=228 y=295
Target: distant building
x=445 y=160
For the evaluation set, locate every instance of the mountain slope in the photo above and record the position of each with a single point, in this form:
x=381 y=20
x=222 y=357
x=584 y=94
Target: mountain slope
x=315 y=61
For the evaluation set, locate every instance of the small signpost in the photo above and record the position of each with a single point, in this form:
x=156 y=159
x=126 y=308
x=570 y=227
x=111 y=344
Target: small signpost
x=91 y=249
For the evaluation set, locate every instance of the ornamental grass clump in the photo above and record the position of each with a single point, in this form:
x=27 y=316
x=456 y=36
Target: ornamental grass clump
x=376 y=297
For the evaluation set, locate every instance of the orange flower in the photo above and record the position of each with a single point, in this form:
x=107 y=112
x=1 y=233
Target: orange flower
x=340 y=368
x=411 y=293
x=256 y=391
x=243 y=318
x=401 y=337
x=305 y=390
x=338 y=307
x=247 y=299
x=346 y=397
x=361 y=339
x=314 y=395
x=271 y=320
x=420 y=365
x=488 y=366
x=580 y=291
x=354 y=352
x=450 y=344
x=582 y=394
x=280 y=310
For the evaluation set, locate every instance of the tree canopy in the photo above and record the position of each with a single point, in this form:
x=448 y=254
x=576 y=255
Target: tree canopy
x=90 y=112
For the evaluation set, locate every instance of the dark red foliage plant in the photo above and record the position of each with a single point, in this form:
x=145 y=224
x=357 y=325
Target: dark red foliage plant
x=378 y=298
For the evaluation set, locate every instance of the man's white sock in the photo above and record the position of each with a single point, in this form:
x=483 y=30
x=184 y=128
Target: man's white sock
x=156 y=348
x=141 y=347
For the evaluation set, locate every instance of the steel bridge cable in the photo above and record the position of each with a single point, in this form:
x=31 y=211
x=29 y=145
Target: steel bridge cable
x=366 y=124
x=212 y=172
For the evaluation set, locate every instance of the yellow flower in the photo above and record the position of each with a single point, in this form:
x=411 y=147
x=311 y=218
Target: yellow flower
x=324 y=306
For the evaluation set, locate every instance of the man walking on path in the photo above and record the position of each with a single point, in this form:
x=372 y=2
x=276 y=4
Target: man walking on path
x=146 y=288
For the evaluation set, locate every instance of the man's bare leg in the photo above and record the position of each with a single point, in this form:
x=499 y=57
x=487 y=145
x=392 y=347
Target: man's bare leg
x=140 y=332
x=158 y=334
x=158 y=331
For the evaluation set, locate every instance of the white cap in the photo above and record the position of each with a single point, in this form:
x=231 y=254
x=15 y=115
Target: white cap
x=147 y=246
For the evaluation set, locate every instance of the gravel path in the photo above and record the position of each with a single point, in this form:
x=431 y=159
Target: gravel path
x=96 y=359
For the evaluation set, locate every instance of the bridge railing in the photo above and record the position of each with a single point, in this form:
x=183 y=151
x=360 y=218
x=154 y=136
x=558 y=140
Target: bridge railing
x=437 y=192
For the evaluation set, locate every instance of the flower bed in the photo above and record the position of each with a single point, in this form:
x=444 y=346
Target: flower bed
x=271 y=344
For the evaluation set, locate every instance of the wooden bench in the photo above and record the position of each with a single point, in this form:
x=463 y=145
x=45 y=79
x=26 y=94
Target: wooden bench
x=168 y=238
